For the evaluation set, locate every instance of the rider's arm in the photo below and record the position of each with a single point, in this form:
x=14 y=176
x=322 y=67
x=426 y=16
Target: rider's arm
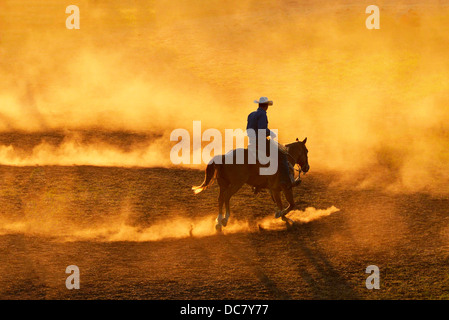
x=262 y=123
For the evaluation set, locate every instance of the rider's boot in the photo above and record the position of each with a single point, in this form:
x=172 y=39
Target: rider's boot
x=294 y=182
x=256 y=190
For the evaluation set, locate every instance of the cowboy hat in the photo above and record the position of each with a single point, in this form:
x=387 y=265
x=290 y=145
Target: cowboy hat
x=264 y=100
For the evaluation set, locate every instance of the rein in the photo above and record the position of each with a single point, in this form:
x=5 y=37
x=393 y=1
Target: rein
x=285 y=149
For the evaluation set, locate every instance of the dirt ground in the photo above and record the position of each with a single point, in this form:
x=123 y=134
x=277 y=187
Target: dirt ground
x=111 y=93
x=91 y=217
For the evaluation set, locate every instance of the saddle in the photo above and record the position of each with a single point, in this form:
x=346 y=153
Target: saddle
x=256 y=180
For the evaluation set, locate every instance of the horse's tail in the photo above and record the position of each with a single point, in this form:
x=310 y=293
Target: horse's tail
x=211 y=170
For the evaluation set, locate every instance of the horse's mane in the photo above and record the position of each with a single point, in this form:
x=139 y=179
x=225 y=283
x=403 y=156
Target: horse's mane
x=290 y=144
x=282 y=147
x=293 y=144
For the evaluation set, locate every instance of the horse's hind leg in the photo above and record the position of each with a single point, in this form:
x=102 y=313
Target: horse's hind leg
x=220 y=210
x=233 y=188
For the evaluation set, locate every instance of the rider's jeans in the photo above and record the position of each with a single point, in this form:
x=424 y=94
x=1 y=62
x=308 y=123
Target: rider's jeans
x=284 y=174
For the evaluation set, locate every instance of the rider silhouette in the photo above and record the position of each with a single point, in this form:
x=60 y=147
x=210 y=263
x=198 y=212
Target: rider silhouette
x=258 y=120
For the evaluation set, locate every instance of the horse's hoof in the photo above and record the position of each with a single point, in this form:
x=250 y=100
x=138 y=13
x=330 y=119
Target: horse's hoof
x=224 y=222
x=289 y=223
x=218 y=228
x=278 y=215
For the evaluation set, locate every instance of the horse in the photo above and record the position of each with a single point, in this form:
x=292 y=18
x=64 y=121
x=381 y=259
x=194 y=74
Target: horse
x=232 y=176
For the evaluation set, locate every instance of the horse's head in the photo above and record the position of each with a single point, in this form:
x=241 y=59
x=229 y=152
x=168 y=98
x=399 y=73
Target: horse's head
x=299 y=152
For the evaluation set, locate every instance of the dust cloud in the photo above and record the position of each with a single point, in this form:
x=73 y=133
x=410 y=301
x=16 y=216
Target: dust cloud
x=373 y=103
x=176 y=227
x=298 y=216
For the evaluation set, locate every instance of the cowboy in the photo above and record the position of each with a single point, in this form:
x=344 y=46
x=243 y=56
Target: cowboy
x=258 y=120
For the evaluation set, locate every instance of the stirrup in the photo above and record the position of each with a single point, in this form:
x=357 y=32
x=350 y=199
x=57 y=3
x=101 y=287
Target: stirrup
x=256 y=190
x=297 y=182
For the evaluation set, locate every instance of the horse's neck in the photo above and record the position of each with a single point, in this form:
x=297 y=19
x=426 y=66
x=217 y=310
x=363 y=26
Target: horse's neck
x=294 y=154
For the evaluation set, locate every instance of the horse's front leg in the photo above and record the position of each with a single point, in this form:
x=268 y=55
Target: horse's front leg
x=277 y=199
x=291 y=202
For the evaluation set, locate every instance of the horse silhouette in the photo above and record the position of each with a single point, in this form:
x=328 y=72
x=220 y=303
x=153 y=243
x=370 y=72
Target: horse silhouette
x=232 y=176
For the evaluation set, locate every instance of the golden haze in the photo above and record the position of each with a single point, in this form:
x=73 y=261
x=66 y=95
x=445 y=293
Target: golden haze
x=368 y=100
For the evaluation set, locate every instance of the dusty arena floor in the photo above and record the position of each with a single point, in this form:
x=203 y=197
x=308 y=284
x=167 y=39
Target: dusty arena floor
x=142 y=234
